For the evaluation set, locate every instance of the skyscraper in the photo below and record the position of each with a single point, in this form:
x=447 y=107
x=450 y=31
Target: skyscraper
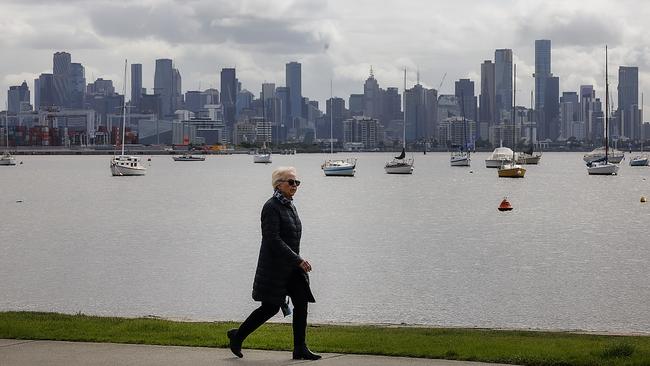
x=62 y=82
x=421 y=108
x=77 y=86
x=550 y=129
x=487 y=99
x=163 y=84
x=542 y=74
x=136 y=85
x=628 y=102
x=294 y=83
x=44 y=91
x=372 y=97
x=228 y=95
x=16 y=95
x=464 y=91
x=503 y=82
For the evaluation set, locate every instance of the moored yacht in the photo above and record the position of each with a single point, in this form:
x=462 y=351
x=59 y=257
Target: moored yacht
x=189 y=157
x=613 y=155
x=499 y=156
x=339 y=167
x=639 y=160
x=7 y=159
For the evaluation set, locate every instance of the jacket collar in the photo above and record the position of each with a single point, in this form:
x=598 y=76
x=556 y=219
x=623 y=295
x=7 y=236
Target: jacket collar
x=280 y=197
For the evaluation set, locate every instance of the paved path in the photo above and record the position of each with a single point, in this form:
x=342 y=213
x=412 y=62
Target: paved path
x=14 y=352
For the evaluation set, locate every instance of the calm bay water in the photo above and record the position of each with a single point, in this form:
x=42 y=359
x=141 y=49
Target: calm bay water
x=431 y=248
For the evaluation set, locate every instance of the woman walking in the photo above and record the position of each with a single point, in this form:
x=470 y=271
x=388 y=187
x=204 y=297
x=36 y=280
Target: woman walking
x=281 y=272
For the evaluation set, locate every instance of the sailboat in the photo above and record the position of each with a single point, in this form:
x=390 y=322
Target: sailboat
x=337 y=167
x=603 y=166
x=122 y=165
x=511 y=169
x=263 y=155
x=640 y=159
x=400 y=164
x=528 y=156
x=6 y=159
x=461 y=157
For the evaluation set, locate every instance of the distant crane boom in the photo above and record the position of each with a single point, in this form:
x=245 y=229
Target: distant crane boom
x=442 y=81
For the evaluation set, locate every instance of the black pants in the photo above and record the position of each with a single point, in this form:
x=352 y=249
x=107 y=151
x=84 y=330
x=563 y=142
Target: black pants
x=299 y=297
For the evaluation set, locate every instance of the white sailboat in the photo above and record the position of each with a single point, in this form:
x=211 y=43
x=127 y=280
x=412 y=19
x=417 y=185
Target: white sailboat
x=528 y=156
x=263 y=155
x=337 y=167
x=462 y=156
x=400 y=164
x=603 y=166
x=511 y=169
x=6 y=159
x=123 y=165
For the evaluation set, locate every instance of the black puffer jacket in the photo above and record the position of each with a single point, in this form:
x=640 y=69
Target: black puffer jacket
x=279 y=253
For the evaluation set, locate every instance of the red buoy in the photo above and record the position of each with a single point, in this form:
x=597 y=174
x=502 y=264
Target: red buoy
x=505 y=205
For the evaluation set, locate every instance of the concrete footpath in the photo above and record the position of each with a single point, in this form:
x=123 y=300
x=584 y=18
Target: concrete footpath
x=15 y=352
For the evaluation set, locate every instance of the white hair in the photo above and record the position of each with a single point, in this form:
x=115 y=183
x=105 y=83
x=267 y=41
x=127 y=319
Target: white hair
x=280 y=173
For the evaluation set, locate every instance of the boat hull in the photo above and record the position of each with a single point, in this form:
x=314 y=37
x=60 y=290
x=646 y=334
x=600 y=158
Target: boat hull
x=119 y=171
x=192 y=158
x=512 y=172
x=496 y=163
x=639 y=162
x=339 y=171
x=459 y=161
x=529 y=159
x=399 y=169
x=603 y=169
x=262 y=158
x=7 y=162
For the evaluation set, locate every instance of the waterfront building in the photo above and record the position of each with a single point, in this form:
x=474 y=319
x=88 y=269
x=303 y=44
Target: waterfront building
x=569 y=115
x=362 y=130
x=456 y=131
x=421 y=113
x=195 y=100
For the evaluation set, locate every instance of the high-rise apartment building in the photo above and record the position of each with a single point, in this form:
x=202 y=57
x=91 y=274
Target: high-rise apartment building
x=44 y=94
x=16 y=96
x=77 y=86
x=487 y=99
x=62 y=83
x=503 y=83
x=464 y=91
x=136 y=85
x=163 y=84
x=542 y=70
x=421 y=108
x=550 y=128
x=228 y=95
x=628 y=113
x=294 y=83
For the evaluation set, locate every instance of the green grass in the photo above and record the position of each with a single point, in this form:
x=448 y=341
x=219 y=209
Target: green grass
x=517 y=347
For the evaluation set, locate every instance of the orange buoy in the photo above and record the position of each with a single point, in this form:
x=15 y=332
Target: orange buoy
x=505 y=205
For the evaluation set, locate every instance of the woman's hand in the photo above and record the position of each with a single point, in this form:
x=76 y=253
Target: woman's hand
x=305 y=266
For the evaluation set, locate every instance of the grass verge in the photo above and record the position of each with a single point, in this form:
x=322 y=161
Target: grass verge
x=502 y=346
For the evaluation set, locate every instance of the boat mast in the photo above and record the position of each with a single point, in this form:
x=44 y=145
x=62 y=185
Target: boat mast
x=514 y=112
x=124 y=108
x=331 y=120
x=404 y=115
x=606 y=108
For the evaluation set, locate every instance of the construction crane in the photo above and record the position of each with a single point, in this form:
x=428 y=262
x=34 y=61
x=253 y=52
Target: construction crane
x=442 y=81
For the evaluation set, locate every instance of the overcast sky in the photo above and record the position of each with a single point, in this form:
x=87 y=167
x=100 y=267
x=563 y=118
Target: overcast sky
x=336 y=39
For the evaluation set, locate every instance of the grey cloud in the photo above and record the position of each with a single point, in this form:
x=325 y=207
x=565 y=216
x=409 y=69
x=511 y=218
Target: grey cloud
x=203 y=25
x=576 y=30
x=62 y=39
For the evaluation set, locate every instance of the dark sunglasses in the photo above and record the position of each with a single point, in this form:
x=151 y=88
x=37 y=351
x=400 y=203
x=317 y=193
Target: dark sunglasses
x=292 y=182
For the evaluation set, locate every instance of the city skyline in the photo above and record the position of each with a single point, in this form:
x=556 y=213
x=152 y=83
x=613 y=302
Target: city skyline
x=336 y=40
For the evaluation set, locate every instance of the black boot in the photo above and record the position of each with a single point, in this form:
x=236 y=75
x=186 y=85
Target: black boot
x=235 y=343
x=303 y=353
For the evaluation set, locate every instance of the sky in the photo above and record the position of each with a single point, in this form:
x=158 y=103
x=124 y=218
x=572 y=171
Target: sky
x=338 y=40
